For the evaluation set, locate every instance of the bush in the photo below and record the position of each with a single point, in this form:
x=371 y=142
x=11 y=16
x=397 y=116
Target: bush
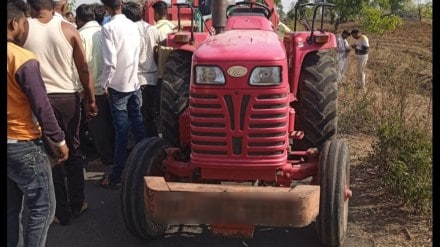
x=404 y=156
x=356 y=112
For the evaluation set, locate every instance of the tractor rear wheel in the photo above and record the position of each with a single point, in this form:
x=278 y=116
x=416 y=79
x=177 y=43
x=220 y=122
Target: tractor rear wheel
x=334 y=180
x=144 y=160
x=317 y=100
x=175 y=94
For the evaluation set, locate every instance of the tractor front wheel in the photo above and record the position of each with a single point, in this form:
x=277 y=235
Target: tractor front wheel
x=144 y=160
x=334 y=180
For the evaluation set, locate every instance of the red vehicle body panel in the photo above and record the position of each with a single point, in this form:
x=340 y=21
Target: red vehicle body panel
x=248 y=22
x=238 y=131
x=236 y=45
x=297 y=48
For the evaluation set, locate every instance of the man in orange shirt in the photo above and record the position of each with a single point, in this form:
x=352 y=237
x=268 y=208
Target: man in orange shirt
x=29 y=177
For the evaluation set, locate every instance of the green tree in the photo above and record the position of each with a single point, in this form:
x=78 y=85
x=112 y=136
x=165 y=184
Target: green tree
x=279 y=6
x=348 y=9
x=301 y=11
x=425 y=10
x=383 y=5
x=375 y=21
x=397 y=5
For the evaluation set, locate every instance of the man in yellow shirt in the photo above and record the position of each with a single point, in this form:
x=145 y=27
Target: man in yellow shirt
x=161 y=18
x=164 y=26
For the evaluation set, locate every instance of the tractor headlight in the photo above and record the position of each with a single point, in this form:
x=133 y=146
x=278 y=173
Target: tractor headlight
x=209 y=75
x=266 y=76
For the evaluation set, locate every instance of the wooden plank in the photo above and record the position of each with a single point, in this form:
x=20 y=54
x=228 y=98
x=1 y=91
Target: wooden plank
x=186 y=203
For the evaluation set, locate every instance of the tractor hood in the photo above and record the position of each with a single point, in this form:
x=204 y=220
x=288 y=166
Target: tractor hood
x=241 y=45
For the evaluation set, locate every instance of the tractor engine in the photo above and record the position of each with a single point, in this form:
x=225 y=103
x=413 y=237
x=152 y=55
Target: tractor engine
x=239 y=102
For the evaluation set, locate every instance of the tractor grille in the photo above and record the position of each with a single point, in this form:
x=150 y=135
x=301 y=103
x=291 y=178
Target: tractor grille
x=239 y=125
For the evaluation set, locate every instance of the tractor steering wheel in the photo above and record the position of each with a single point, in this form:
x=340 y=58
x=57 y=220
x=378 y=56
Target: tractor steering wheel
x=261 y=8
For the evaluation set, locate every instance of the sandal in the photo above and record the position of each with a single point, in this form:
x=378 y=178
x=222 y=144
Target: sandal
x=105 y=182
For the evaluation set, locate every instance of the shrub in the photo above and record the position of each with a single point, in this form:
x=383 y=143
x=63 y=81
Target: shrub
x=404 y=156
x=357 y=112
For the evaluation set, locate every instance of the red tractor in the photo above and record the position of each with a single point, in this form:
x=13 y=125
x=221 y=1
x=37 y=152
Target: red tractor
x=249 y=124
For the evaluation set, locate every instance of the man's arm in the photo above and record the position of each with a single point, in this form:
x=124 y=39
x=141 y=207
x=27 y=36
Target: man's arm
x=109 y=54
x=79 y=58
x=347 y=47
x=29 y=78
x=365 y=43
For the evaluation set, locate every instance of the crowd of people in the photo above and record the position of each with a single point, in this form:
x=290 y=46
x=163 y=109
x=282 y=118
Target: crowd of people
x=63 y=70
x=360 y=46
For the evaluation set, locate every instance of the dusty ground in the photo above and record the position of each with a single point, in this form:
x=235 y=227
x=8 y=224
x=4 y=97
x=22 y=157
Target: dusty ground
x=375 y=215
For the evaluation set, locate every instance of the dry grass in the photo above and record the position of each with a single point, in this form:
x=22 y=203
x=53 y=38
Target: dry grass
x=399 y=82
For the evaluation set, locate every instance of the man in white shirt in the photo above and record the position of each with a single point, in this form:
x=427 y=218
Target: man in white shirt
x=101 y=126
x=147 y=74
x=342 y=52
x=361 y=47
x=121 y=48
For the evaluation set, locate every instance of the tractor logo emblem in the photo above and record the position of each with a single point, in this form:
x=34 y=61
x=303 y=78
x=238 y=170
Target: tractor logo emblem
x=237 y=71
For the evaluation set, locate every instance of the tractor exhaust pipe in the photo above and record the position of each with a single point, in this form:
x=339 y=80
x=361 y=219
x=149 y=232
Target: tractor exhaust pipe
x=218 y=10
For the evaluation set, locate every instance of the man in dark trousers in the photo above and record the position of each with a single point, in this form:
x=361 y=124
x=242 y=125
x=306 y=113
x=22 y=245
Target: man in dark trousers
x=100 y=127
x=58 y=48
